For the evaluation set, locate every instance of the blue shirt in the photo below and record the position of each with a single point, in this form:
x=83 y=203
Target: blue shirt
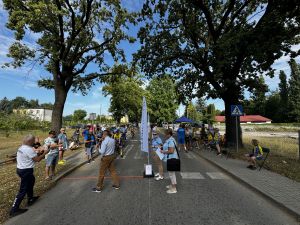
x=156 y=141
x=107 y=146
x=90 y=137
x=63 y=139
x=170 y=143
x=181 y=133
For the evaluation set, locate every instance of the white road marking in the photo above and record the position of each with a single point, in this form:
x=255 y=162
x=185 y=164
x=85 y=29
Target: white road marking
x=127 y=151
x=138 y=154
x=216 y=175
x=192 y=175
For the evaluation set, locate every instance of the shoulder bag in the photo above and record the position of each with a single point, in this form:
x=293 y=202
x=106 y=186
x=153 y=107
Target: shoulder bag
x=173 y=164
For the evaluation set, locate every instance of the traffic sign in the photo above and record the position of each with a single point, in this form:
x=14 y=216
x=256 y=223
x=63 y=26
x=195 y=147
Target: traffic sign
x=236 y=110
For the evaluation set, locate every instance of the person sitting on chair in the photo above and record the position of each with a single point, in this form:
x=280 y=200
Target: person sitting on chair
x=256 y=154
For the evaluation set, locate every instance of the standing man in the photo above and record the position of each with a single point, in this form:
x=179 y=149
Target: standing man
x=89 y=142
x=52 y=156
x=181 y=137
x=107 y=151
x=63 y=140
x=26 y=158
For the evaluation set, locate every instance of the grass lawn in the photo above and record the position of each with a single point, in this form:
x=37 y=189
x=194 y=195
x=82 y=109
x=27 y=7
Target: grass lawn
x=282 y=157
x=9 y=181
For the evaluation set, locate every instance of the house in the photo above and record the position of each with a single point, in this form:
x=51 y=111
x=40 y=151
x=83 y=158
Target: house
x=256 y=119
x=38 y=114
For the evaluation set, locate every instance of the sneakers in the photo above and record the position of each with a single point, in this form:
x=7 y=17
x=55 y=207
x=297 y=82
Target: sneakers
x=219 y=153
x=61 y=162
x=169 y=186
x=250 y=166
x=156 y=175
x=17 y=212
x=172 y=191
x=32 y=200
x=116 y=187
x=96 y=190
x=159 y=178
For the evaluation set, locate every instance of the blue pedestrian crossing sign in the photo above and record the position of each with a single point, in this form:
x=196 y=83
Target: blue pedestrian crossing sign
x=236 y=110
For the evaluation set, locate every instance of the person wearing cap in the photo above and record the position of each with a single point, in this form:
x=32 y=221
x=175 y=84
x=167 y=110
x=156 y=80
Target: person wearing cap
x=27 y=156
x=157 y=143
x=63 y=141
x=52 y=157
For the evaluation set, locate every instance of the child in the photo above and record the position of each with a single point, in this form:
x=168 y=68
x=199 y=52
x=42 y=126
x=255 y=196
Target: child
x=256 y=154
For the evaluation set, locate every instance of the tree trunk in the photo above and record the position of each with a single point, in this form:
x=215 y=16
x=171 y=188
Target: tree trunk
x=58 y=108
x=230 y=121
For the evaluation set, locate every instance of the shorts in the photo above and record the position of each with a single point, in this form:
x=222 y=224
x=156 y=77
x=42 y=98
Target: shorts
x=88 y=151
x=52 y=159
x=181 y=140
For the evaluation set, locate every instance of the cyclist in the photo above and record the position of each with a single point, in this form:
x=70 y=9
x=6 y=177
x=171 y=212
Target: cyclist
x=118 y=138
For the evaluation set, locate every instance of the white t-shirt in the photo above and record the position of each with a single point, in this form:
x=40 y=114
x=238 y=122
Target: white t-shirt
x=24 y=157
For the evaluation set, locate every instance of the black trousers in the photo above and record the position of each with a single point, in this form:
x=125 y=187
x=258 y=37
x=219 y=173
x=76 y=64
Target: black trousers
x=26 y=186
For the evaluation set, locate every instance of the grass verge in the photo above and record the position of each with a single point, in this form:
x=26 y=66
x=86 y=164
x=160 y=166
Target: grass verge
x=282 y=157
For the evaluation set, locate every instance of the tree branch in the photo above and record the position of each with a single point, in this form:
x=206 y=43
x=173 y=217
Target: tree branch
x=200 y=4
x=225 y=17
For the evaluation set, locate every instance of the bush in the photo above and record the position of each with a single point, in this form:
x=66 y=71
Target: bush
x=18 y=122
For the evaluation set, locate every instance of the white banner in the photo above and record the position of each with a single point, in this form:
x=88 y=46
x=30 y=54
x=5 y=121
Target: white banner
x=144 y=128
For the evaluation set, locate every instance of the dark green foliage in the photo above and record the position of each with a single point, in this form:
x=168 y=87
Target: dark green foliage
x=71 y=36
x=163 y=101
x=79 y=115
x=294 y=92
x=216 y=47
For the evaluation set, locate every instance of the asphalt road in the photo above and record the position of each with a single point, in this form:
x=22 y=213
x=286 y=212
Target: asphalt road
x=205 y=196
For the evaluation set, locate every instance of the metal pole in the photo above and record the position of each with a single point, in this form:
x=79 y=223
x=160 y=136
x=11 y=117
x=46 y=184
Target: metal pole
x=237 y=134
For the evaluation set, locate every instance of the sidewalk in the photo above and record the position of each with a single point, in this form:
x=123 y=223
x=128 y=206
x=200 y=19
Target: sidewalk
x=284 y=191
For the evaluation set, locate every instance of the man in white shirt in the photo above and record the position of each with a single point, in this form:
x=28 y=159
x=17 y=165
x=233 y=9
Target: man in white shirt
x=26 y=158
x=107 y=151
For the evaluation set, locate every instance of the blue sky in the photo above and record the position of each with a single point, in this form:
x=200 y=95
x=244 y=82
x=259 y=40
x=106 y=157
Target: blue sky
x=23 y=81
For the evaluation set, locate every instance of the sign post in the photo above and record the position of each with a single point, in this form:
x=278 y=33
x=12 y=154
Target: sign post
x=236 y=110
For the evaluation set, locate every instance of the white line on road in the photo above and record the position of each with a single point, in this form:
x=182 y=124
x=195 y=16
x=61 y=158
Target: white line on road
x=138 y=154
x=216 y=175
x=127 y=151
x=192 y=175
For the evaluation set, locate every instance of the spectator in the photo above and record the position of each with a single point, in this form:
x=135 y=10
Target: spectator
x=107 y=151
x=85 y=131
x=52 y=157
x=216 y=140
x=63 y=141
x=157 y=143
x=256 y=154
x=181 y=137
x=169 y=150
x=26 y=158
x=89 y=142
x=75 y=137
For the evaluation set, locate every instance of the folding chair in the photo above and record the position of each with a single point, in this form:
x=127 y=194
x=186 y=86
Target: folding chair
x=266 y=152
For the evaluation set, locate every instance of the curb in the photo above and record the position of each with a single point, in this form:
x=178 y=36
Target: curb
x=287 y=209
x=70 y=170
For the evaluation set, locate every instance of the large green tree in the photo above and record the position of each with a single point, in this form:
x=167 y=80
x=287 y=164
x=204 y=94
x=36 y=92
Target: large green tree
x=126 y=94
x=294 y=92
x=217 y=47
x=163 y=99
x=79 y=115
x=71 y=36
x=284 y=97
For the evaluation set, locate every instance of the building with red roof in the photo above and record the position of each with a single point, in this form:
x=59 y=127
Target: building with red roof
x=246 y=119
